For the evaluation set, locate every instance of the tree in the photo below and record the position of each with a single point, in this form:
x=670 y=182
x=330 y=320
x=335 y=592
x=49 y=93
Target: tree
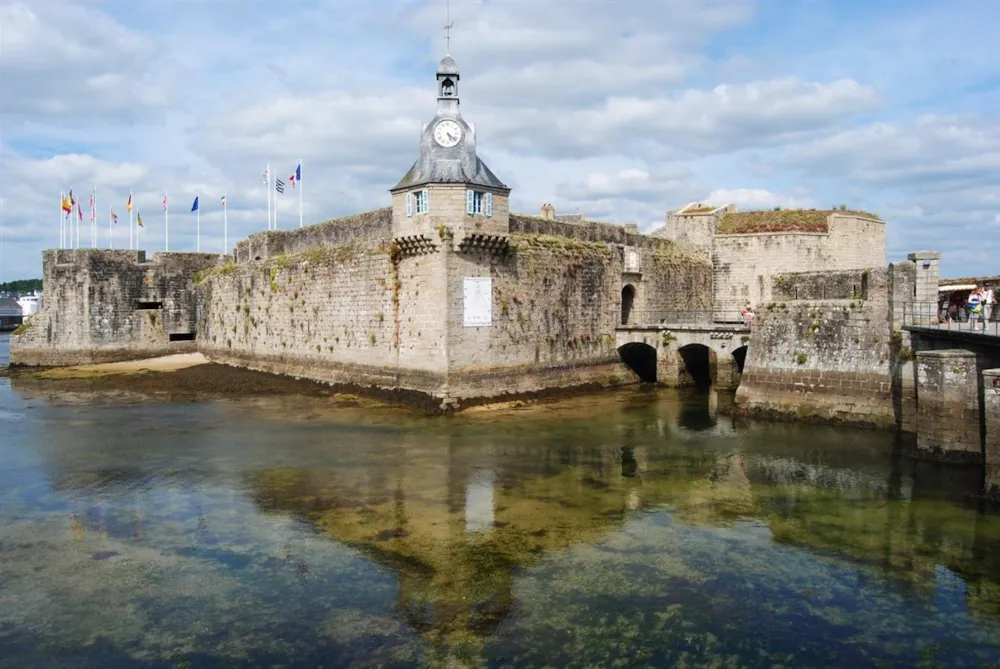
x=21 y=286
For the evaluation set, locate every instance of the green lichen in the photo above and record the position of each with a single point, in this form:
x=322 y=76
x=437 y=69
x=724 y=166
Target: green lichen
x=22 y=328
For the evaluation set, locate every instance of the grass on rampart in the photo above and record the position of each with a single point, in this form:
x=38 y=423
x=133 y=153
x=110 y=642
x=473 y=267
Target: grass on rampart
x=782 y=220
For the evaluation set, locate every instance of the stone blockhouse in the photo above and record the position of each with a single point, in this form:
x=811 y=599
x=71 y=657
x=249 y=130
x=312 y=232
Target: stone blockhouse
x=444 y=296
x=103 y=306
x=748 y=249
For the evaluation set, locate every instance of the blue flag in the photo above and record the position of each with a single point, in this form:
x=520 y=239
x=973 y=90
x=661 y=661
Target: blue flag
x=298 y=172
x=194 y=206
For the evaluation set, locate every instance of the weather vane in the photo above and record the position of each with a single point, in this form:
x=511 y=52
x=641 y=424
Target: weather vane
x=449 y=24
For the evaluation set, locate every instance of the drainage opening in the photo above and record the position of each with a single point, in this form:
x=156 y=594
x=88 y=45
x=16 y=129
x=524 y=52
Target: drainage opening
x=148 y=305
x=181 y=336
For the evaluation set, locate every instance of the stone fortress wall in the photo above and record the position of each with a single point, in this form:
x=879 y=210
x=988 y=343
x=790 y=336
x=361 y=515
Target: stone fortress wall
x=103 y=306
x=749 y=249
x=387 y=311
x=829 y=347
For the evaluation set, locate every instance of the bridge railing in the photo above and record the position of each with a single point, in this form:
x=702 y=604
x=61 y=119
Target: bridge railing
x=648 y=317
x=934 y=315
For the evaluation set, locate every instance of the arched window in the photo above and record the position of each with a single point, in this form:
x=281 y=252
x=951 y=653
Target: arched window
x=628 y=300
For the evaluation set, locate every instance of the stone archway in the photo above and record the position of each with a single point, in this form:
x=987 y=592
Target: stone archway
x=740 y=358
x=628 y=302
x=697 y=359
x=641 y=359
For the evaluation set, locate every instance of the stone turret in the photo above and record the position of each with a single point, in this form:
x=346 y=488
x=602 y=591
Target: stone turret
x=449 y=185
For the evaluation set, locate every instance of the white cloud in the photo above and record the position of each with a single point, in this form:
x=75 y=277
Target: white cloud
x=748 y=199
x=618 y=109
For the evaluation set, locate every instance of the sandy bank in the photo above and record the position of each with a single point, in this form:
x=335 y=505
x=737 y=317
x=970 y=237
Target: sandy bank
x=167 y=363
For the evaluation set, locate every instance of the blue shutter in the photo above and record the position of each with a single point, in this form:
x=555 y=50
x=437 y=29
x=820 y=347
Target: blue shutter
x=427 y=201
x=409 y=204
x=470 y=206
x=488 y=206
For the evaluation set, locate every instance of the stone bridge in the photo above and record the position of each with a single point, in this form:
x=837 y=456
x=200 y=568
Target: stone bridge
x=680 y=354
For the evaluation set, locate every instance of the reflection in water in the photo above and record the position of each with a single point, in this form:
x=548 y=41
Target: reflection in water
x=641 y=529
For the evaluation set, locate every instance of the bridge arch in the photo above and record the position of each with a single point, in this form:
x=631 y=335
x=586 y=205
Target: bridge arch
x=740 y=357
x=628 y=302
x=697 y=359
x=641 y=359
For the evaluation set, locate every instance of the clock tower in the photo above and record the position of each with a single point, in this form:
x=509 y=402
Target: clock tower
x=449 y=192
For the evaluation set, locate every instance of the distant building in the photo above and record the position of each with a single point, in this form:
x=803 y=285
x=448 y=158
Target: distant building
x=30 y=304
x=10 y=314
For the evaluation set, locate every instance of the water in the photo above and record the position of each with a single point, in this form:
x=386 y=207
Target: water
x=632 y=530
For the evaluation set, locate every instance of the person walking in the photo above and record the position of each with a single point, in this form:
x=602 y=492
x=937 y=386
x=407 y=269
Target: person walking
x=975 y=308
x=747 y=314
x=989 y=299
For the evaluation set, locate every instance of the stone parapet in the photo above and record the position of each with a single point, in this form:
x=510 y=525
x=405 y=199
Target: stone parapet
x=948 y=421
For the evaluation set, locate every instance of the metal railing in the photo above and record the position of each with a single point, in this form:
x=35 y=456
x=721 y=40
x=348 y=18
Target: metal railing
x=650 y=317
x=935 y=316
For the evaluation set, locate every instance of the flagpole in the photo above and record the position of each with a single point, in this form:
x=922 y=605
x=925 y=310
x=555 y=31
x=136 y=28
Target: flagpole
x=268 y=180
x=130 y=243
x=197 y=197
x=93 y=222
x=275 y=209
x=225 y=227
x=166 y=223
x=137 y=230
x=298 y=178
x=111 y=228
x=62 y=217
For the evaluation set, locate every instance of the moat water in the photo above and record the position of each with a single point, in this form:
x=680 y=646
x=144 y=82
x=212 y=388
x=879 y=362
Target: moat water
x=636 y=529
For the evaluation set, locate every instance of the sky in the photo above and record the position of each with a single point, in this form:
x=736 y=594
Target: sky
x=618 y=109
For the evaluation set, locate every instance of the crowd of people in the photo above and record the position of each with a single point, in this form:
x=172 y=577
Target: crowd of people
x=978 y=307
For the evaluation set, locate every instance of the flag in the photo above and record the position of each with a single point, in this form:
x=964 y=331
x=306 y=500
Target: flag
x=138 y=220
x=279 y=185
x=265 y=175
x=67 y=204
x=79 y=211
x=128 y=205
x=223 y=200
x=194 y=205
x=164 y=203
x=72 y=202
x=297 y=176
x=91 y=201
x=114 y=216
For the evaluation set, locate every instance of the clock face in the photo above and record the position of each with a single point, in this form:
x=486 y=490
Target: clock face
x=447 y=133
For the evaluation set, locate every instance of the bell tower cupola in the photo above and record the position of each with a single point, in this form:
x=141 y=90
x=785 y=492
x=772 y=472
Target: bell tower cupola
x=449 y=193
x=447 y=78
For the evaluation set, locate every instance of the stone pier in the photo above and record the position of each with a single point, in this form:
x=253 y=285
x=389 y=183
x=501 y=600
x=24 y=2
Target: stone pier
x=991 y=416
x=948 y=425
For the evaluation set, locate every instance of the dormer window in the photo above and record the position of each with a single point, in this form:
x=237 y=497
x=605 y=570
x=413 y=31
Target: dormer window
x=417 y=202
x=478 y=202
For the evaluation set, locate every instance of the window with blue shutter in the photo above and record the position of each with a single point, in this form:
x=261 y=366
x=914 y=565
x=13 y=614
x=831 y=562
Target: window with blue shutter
x=470 y=201
x=409 y=204
x=489 y=204
x=427 y=201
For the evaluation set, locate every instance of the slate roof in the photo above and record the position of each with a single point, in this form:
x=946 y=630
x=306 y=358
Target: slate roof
x=9 y=307
x=430 y=168
x=455 y=165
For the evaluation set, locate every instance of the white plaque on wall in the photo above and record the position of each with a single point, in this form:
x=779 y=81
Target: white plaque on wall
x=478 y=301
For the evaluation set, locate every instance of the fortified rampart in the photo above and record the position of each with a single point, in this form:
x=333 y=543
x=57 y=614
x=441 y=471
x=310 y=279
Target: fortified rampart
x=835 y=353
x=103 y=306
x=374 y=312
x=749 y=249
